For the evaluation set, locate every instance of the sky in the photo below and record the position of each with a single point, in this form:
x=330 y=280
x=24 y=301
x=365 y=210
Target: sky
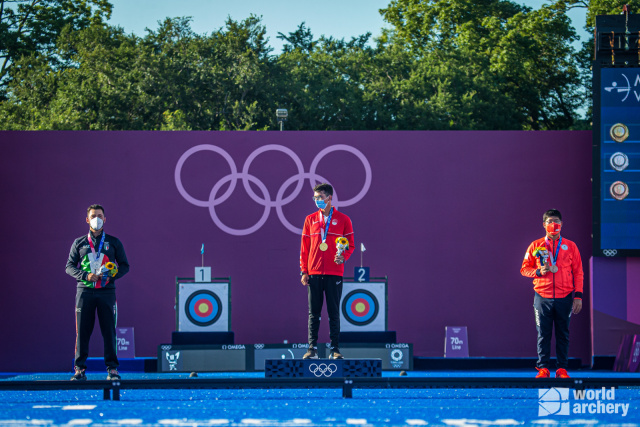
x=337 y=18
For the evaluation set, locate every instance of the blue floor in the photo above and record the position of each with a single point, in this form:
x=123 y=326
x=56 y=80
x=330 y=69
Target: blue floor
x=464 y=407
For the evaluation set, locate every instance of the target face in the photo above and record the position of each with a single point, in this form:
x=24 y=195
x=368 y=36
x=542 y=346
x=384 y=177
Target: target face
x=360 y=307
x=203 y=308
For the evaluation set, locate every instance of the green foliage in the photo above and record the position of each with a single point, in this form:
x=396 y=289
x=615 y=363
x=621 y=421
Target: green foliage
x=442 y=64
x=33 y=26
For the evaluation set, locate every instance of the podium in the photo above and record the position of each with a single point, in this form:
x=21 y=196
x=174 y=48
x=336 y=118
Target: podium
x=323 y=368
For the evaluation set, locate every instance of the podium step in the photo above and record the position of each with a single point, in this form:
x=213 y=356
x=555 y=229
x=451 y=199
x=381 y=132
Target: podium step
x=322 y=368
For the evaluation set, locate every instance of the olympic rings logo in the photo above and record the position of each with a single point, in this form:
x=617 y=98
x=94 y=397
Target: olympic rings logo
x=323 y=369
x=258 y=346
x=609 y=252
x=266 y=201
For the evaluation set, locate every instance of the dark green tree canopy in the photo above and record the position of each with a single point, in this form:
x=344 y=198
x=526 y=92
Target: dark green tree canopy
x=454 y=64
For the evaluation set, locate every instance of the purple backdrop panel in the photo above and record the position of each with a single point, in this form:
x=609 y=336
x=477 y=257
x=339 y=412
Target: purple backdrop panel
x=633 y=290
x=610 y=286
x=447 y=216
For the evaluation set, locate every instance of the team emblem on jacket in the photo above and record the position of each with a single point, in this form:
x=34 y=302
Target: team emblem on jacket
x=564 y=247
x=334 y=222
x=106 y=246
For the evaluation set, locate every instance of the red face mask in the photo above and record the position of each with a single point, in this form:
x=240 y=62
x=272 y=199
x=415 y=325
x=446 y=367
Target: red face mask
x=553 y=228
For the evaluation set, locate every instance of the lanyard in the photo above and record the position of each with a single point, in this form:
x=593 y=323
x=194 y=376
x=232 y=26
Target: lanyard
x=326 y=228
x=93 y=251
x=553 y=258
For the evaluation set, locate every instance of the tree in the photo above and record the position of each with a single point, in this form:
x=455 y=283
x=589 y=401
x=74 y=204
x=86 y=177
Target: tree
x=33 y=26
x=170 y=79
x=488 y=64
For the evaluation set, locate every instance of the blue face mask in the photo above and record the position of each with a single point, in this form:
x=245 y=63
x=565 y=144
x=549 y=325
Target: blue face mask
x=321 y=204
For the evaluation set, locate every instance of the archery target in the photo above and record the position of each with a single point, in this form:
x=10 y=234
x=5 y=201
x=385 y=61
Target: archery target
x=204 y=307
x=363 y=307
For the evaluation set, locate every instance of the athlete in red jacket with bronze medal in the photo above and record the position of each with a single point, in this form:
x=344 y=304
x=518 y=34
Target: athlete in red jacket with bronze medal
x=555 y=264
x=322 y=257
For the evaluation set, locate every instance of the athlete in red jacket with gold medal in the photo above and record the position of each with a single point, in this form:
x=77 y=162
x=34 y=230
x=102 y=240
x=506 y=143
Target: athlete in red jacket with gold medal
x=555 y=264
x=322 y=267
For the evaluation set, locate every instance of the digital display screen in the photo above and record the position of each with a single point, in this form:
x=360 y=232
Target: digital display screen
x=617 y=166
x=263 y=352
x=394 y=356
x=176 y=358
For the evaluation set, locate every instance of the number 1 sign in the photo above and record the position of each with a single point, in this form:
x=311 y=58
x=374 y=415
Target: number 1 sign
x=203 y=274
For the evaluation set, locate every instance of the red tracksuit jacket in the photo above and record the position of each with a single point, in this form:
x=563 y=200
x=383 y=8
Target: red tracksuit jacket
x=312 y=259
x=569 y=277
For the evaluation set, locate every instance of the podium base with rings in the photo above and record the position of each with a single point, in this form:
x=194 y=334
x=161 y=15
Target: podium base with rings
x=322 y=368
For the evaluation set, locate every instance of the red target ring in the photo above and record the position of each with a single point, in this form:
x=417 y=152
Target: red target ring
x=203 y=308
x=360 y=307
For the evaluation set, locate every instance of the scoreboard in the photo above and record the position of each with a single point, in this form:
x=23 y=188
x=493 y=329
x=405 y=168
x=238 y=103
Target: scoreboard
x=616 y=136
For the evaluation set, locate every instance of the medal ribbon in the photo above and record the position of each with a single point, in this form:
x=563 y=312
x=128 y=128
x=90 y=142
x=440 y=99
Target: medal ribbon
x=552 y=257
x=93 y=251
x=326 y=228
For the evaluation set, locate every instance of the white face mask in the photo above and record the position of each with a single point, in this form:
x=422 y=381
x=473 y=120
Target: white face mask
x=96 y=223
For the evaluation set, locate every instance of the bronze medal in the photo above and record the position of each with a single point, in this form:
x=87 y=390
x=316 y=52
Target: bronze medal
x=553 y=269
x=619 y=190
x=324 y=246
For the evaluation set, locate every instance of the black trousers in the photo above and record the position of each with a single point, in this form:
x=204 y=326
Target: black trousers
x=88 y=302
x=553 y=313
x=331 y=286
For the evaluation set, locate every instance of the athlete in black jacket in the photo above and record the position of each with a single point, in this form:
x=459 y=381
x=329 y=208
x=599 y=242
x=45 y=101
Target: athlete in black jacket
x=89 y=260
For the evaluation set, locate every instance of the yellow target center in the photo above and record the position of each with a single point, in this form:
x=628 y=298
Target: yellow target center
x=360 y=307
x=202 y=308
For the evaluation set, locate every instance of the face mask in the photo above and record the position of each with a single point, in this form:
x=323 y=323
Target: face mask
x=553 y=228
x=321 y=204
x=96 y=223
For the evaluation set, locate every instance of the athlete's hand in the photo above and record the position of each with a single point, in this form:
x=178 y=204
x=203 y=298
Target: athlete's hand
x=339 y=259
x=305 y=280
x=577 y=306
x=93 y=277
x=544 y=270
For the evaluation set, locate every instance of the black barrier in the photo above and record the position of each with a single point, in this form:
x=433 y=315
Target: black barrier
x=112 y=388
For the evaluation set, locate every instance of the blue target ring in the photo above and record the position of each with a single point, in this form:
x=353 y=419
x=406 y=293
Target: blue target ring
x=203 y=308
x=360 y=307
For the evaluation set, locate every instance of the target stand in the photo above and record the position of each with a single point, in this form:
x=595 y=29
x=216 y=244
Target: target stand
x=203 y=307
x=363 y=307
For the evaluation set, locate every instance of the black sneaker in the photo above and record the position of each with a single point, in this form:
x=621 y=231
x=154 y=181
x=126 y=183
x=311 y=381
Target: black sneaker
x=312 y=353
x=79 y=375
x=113 y=374
x=335 y=354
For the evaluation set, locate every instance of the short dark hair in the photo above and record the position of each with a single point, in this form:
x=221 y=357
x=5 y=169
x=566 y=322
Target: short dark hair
x=551 y=212
x=324 y=188
x=96 y=207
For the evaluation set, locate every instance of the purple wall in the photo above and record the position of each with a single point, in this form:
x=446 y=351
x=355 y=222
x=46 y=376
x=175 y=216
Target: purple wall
x=448 y=217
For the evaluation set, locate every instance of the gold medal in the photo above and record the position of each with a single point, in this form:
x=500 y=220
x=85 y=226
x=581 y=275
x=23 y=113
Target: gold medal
x=619 y=132
x=324 y=246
